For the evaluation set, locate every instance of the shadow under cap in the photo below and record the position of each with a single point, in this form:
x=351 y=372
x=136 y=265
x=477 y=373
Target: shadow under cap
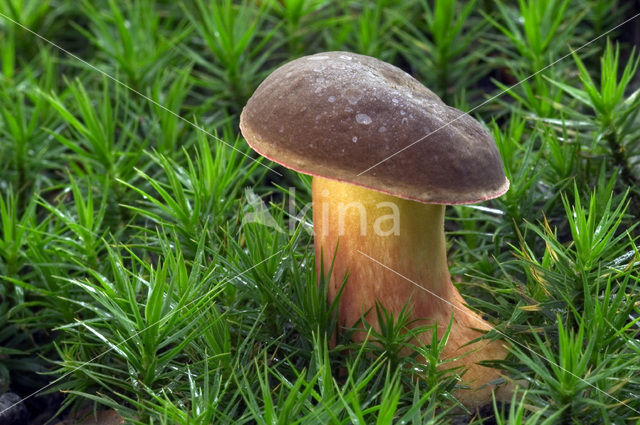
x=335 y=114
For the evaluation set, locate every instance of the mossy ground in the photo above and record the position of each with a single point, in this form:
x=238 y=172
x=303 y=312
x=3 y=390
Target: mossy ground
x=132 y=280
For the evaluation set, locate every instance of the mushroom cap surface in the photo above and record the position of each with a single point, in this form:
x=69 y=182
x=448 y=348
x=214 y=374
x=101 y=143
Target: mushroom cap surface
x=336 y=114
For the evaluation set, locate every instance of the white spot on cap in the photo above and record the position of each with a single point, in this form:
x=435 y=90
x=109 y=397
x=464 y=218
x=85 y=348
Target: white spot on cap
x=331 y=99
x=317 y=58
x=354 y=139
x=394 y=100
x=353 y=96
x=405 y=121
x=363 y=119
x=345 y=57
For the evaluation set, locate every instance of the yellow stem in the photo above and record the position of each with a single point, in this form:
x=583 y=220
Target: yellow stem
x=407 y=239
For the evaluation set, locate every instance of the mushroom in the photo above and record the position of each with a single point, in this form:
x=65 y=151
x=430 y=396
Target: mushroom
x=387 y=155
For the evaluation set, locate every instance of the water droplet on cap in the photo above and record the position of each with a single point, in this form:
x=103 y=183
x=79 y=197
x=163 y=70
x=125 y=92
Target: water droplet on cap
x=363 y=119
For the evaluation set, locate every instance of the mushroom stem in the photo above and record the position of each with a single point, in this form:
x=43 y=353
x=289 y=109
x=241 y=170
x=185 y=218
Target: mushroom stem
x=407 y=238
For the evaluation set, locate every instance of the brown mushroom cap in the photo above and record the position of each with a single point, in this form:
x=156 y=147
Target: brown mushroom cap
x=335 y=114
